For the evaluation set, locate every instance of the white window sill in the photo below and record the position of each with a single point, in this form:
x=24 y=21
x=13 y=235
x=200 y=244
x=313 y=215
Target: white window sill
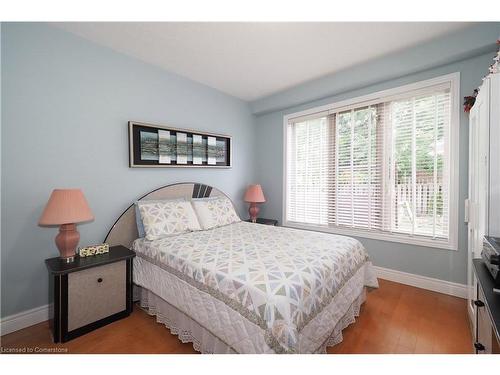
x=399 y=238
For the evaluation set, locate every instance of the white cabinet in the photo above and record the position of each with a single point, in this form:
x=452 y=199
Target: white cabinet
x=478 y=182
x=483 y=203
x=487 y=337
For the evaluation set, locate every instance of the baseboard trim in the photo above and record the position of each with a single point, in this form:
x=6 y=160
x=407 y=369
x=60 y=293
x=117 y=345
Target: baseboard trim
x=24 y=319
x=424 y=282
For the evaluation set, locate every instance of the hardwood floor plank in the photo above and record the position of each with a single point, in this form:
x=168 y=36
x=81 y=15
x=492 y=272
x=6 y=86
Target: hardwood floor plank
x=396 y=318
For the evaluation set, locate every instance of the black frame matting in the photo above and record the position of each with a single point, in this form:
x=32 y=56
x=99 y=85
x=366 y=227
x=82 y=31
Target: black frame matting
x=135 y=161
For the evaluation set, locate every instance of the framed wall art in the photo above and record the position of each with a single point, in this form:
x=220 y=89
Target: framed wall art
x=162 y=147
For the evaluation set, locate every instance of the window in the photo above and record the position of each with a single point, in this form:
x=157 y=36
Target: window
x=381 y=166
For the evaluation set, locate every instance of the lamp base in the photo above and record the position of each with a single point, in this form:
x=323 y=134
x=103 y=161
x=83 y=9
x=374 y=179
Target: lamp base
x=66 y=242
x=253 y=210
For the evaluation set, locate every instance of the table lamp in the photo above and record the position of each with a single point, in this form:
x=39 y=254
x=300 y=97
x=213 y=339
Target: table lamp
x=253 y=196
x=65 y=208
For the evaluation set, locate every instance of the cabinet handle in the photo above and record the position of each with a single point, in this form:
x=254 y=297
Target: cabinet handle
x=99 y=280
x=479 y=347
x=479 y=303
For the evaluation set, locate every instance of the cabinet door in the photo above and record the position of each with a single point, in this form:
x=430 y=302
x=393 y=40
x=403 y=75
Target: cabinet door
x=96 y=293
x=494 y=157
x=484 y=328
x=478 y=187
x=471 y=308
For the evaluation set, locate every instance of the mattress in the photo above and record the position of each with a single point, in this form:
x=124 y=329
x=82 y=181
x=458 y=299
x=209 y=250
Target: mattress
x=259 y=288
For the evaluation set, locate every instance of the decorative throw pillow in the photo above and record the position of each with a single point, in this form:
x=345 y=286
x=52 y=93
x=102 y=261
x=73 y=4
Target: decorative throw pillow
x=167 y=218
x=215 y=212
x=138 y=220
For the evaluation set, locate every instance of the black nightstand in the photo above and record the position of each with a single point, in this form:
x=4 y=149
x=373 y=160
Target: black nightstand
x=265 y=221
x=89 y=292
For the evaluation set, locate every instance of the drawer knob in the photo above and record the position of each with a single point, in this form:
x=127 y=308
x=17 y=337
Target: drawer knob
x=479 y=303
x=99 y=280
x=479 y=347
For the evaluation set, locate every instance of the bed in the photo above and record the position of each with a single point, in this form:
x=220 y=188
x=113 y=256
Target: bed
x=244 y=287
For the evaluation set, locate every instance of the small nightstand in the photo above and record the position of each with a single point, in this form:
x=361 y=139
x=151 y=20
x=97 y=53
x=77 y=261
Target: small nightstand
x=89 y=292
x=265 y=221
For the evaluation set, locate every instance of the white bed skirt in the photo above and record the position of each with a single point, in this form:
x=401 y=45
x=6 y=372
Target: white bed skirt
x=205 y=341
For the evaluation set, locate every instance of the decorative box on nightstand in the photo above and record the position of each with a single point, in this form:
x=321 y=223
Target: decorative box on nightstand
x=265 y=221
x=90 y=292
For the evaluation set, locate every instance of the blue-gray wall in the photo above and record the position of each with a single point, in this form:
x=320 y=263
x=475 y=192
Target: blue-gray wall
x=442 y=264
x=65 y=107
x=65 y=104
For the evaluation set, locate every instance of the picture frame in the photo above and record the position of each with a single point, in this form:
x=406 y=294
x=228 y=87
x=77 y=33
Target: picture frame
x=159 y=146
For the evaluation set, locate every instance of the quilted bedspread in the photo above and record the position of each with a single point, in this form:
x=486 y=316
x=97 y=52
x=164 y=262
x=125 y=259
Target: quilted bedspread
x=278 y=278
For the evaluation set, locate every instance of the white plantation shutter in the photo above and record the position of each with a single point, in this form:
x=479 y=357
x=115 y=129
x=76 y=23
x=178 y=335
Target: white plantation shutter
x=420 y=168
x=381 y=166
x=310 y=167
x=358 y=168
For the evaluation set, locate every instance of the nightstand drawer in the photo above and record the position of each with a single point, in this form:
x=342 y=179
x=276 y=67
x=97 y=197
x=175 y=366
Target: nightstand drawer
x=96 y=293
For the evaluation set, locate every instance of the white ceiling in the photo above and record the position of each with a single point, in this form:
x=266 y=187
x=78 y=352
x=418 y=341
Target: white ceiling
x=253 y=60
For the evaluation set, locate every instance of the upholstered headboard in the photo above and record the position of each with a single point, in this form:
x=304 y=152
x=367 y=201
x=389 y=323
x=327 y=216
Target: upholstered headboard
x=124 y=230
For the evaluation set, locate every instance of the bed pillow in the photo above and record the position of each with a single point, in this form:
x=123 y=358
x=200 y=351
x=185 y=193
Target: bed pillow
x=138 y=220
x=215 y=212
x=167 y=218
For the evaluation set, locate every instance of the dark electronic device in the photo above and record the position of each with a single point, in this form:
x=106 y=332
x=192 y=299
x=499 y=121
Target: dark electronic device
x=491 y=258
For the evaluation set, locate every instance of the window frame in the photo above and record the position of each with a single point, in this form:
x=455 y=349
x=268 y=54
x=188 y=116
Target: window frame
x=454 y=133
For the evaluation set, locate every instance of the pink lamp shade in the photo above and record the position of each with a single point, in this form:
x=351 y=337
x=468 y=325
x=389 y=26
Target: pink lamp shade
x=65 y=208
x=254 y=194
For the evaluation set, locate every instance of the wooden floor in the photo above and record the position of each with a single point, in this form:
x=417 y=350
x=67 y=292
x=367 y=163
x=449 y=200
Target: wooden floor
x=396 y=318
